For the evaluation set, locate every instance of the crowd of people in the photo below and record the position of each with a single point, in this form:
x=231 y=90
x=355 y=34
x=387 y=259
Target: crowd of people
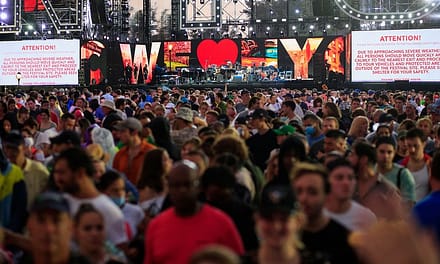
x=217 y=176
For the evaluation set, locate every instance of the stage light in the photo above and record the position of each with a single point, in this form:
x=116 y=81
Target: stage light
x=282 y=33
x=212 y=35
x=324 y=32
x=312 y=27
x=293 y=27
x=295 y=33
x=253 y=34
x=3 y=2
x=310 y=33
x=297 y=11
x=3 y=16
x=267 y=33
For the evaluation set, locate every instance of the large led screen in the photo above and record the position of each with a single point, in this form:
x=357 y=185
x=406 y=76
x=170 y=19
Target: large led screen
x=40 y=62
x=386 y=56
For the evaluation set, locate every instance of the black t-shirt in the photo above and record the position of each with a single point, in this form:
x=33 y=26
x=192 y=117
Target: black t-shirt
x=330 y=243
x=305 y=258
x=242 y=215
x=260 y=147
x=401 y=117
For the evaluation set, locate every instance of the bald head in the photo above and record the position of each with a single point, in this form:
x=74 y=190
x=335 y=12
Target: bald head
x=183 y=167
x=183 y=187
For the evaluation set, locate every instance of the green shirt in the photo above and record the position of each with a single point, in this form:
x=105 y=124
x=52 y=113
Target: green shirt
x=407 y=185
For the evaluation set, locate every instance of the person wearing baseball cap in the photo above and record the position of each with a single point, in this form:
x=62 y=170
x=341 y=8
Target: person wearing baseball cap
x=50 y=231
x=130 y=157
x=278 y=224
x=283 y=132
x=264 y=141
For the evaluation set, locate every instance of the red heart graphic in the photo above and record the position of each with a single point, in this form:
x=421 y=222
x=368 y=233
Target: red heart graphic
x=210 y=52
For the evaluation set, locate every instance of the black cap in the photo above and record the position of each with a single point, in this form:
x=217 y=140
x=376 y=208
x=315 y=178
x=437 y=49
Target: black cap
x=244 y=91
x=288 y=96
x=277 y=198
x=50 y=200
x=385 y=118
x=335 y=133
x=68 y=137
x=259 y=113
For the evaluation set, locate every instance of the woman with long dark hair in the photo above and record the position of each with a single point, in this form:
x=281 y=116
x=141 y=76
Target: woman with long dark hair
x=160 y=127
x=151 y=180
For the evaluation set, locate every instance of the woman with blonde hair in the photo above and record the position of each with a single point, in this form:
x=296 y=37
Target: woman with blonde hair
x=359 y=128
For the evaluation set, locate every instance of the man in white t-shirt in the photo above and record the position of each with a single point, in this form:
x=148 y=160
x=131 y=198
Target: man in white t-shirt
x=73 y=174
x=339 y=205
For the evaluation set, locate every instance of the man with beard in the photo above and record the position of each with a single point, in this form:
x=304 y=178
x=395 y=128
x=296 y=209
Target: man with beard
x=373 y=190
x=325 y=240
x=73 y=173
x=174 y=235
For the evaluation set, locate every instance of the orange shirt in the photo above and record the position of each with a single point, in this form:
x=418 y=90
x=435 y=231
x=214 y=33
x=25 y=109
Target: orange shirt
x=131 y=168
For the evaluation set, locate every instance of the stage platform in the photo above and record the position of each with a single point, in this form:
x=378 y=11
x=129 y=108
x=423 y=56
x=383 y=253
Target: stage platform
x=252 y=86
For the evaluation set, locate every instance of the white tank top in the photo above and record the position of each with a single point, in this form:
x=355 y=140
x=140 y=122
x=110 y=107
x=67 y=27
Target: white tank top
x=422 y=182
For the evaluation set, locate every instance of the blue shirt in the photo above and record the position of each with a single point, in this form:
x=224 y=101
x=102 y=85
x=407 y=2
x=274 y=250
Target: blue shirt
x=427 y=213
x=313 y=140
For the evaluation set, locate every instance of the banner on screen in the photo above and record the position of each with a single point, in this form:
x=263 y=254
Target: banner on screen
x=45 y=62
x=412 y=55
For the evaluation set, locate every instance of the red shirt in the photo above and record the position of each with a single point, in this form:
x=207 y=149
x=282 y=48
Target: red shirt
x=171 y=239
